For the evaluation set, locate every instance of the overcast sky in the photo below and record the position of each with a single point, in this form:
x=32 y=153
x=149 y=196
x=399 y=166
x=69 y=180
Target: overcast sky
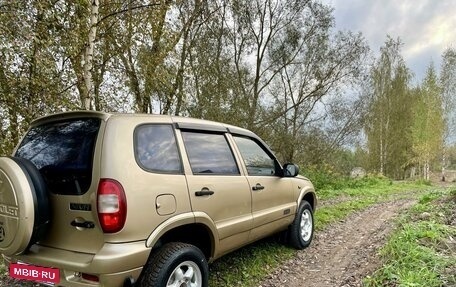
x=426 y=27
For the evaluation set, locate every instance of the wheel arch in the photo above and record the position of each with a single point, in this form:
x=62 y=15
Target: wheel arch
x=192 y=228
x=309 y=195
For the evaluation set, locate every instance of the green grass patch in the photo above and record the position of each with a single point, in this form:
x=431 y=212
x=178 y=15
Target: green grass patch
x=3 y=270
x=245 y=267
x=331 y=214
x=422 y=251
x=381 y=188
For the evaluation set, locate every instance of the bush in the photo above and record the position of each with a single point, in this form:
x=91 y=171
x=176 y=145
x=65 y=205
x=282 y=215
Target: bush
x=323 y=177
x=422 y=181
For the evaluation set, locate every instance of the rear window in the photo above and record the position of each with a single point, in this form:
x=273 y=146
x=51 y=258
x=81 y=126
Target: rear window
x=63 y=153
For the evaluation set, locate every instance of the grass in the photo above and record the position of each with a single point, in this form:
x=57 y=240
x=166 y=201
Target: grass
x=247 y=266
x=422 y=251
x=371 y=188
x=3 y=270
x=334 y=213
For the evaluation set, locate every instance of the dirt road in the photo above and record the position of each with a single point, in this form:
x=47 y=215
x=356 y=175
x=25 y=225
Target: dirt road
x=344 y=253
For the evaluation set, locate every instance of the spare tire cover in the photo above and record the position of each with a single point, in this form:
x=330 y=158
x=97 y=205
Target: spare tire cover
x=18 y=207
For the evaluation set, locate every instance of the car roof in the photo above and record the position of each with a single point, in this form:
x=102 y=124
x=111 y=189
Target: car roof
x=181 y=122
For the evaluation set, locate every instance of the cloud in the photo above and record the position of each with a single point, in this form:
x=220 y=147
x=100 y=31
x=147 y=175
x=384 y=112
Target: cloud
x=426 y=27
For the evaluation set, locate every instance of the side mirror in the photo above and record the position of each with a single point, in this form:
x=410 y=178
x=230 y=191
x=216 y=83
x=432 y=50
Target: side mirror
x=290 y=170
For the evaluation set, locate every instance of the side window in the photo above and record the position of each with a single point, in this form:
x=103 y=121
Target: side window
x=257 y=161
x=156 y=149
x=209 y=153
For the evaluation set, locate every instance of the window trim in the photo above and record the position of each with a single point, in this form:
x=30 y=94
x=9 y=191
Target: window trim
x=200 y=127
x=142 y=166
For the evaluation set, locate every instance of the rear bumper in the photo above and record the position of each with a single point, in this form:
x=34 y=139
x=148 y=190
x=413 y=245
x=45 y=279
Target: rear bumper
x=112 y=264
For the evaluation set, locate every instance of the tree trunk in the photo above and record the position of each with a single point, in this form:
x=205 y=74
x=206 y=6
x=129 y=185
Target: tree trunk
x=88 y=97
x=426 y=170
x=381 y=151
x=443 y=165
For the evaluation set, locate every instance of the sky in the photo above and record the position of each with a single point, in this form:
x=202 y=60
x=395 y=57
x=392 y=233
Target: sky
x=425 y=27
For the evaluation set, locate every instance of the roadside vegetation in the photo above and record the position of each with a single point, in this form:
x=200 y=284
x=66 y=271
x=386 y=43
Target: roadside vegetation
x=422 y=250
x=339 y=198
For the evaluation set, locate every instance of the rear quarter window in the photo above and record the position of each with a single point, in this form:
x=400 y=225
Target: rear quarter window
x=63 y=153
x=156 y=148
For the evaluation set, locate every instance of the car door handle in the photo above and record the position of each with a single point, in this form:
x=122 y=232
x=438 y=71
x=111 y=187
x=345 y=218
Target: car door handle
x=258 y=187
x=204 y=192
x=84 y=224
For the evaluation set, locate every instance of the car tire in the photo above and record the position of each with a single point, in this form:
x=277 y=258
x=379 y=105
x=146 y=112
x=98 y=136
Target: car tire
x=300 y=233
x=24 y=205
x=175 y=264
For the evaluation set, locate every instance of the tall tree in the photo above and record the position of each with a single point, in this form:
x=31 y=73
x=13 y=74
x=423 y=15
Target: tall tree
x=389 y=113
x=31 y=77
x=428 y=124
x=275 y=59
x=328 y=63
x=150 y=43
x=448 y=86
x=87 y=99
x=212 y=91
x=260 y=31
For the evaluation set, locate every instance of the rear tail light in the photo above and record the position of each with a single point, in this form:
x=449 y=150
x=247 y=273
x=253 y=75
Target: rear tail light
x=112 y=205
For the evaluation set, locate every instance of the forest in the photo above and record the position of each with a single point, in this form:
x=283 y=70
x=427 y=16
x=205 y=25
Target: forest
x=319 y=97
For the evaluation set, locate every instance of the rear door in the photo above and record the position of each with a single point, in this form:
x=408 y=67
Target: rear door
x=216 y=186
x=63 y=151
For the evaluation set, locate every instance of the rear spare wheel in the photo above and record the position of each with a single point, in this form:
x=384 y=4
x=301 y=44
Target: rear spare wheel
x=24 y=205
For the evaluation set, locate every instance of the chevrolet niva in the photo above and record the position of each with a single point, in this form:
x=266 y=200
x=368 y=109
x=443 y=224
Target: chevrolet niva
x=99 y=199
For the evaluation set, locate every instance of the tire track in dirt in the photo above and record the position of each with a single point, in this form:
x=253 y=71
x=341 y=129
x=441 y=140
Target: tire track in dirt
x=342 y=254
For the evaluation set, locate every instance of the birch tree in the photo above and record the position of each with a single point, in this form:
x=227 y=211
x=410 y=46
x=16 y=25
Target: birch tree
x=448 y=86
x=389 y=113
x=428 y=124
x=88 y=96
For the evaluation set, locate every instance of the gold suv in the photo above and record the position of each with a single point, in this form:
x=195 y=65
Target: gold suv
x=98 y=199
